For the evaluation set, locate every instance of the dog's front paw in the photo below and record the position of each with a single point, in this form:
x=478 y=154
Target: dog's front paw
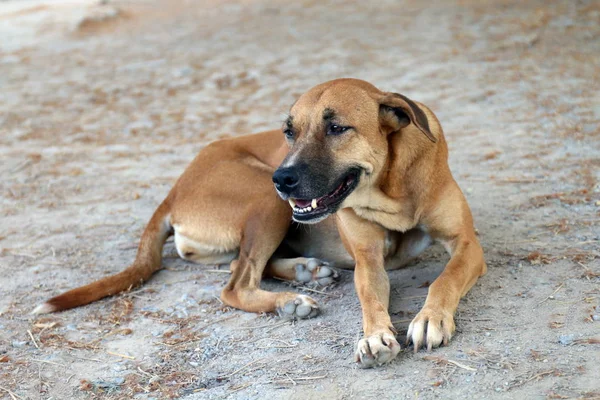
x=430 y=327
x=301 y=307
x=376 y=349
x=316 y=271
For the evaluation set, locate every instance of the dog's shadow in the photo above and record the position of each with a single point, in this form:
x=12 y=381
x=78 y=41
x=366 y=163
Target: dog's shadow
x=410 y=284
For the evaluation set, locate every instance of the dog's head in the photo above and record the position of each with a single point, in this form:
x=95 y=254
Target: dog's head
x=339 y=134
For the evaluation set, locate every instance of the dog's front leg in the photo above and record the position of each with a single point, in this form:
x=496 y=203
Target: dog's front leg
x=365 y=242
x=434 y=324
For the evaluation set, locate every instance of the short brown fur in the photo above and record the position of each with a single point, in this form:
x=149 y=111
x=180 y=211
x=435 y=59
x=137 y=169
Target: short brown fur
x=224 y=209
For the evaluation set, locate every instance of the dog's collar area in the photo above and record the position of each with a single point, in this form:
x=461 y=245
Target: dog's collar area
x=306 y=210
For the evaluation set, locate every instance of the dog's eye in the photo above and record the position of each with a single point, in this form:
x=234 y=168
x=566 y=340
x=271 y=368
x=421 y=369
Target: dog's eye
x=288 y=133
x=337 y=129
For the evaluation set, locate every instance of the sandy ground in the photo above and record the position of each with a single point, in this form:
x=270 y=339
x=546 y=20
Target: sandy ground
x=103 y=106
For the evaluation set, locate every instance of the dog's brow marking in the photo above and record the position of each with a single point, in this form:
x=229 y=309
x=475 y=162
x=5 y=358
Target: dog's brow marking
x=328 y=114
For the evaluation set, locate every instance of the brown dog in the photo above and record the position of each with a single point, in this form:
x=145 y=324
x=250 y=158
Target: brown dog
x=376 y=161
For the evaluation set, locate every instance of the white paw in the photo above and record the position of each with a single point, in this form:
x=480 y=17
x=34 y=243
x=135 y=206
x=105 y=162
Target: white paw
x=316 y=271
x=431 y=327
x=301 y=307
x=376 y=349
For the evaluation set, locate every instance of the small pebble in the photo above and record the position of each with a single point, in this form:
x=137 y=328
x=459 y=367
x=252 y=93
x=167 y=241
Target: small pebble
x=566 y=340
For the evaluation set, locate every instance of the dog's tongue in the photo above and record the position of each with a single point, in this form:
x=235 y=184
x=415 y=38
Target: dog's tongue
x=302 y=203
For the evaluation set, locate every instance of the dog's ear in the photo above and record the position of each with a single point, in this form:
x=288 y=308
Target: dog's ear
x=397 y=111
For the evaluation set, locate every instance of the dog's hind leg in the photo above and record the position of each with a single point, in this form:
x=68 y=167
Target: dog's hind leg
x=202 y=253
x=302 y=269
x=263 y=232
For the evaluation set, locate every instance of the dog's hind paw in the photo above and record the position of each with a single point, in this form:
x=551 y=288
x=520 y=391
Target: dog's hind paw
x=377 y=349
x=316 y=271
x=301 y=307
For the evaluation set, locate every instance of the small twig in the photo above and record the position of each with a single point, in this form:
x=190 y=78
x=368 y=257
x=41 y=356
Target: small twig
x=148 y=373
x=21 y=166
x=446 y=361
x=218 y=271
x=547 y=298
x=83 y=358
x=582 y=265
x=277 y=326
x=587 y=341
x=49 y=362
x=277 y=347
x=120 y=355
x=132 y=293
x=285 y=346
x=474 y=319
x=241 y=388
x=291 y=380
x=540 y=375
x=459 y=365
x=262 y=326
x=588 y=272
x=141 y=297
x=24 y=255
x=33 y=339
x=318 y=291
x=305 y=378
x=240 y=369
x=12 y=394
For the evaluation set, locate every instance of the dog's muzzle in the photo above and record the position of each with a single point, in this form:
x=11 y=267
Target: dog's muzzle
x=312 y=201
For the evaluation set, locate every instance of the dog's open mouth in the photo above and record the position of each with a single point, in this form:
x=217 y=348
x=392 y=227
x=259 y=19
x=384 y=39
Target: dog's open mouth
x=306 y=210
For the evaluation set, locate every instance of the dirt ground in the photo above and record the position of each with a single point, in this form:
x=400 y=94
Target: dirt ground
x=103 y=106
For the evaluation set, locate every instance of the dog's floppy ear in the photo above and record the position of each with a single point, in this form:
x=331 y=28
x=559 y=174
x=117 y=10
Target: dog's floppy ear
x=397 y=111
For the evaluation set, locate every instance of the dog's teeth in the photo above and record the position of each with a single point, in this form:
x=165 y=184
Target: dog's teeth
x=301 y=210
x=292 y=203
x=314 y=203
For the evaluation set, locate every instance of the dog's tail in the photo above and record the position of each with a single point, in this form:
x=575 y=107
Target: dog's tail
x=147 y=262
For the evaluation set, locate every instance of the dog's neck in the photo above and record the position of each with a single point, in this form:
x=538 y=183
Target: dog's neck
x=397 y=197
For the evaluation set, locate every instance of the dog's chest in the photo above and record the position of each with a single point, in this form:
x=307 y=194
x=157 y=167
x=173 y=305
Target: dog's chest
x=396 y=214
x=398 y=222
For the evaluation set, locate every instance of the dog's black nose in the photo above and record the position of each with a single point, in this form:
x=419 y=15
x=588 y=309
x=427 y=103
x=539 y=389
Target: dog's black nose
x=286 y=179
